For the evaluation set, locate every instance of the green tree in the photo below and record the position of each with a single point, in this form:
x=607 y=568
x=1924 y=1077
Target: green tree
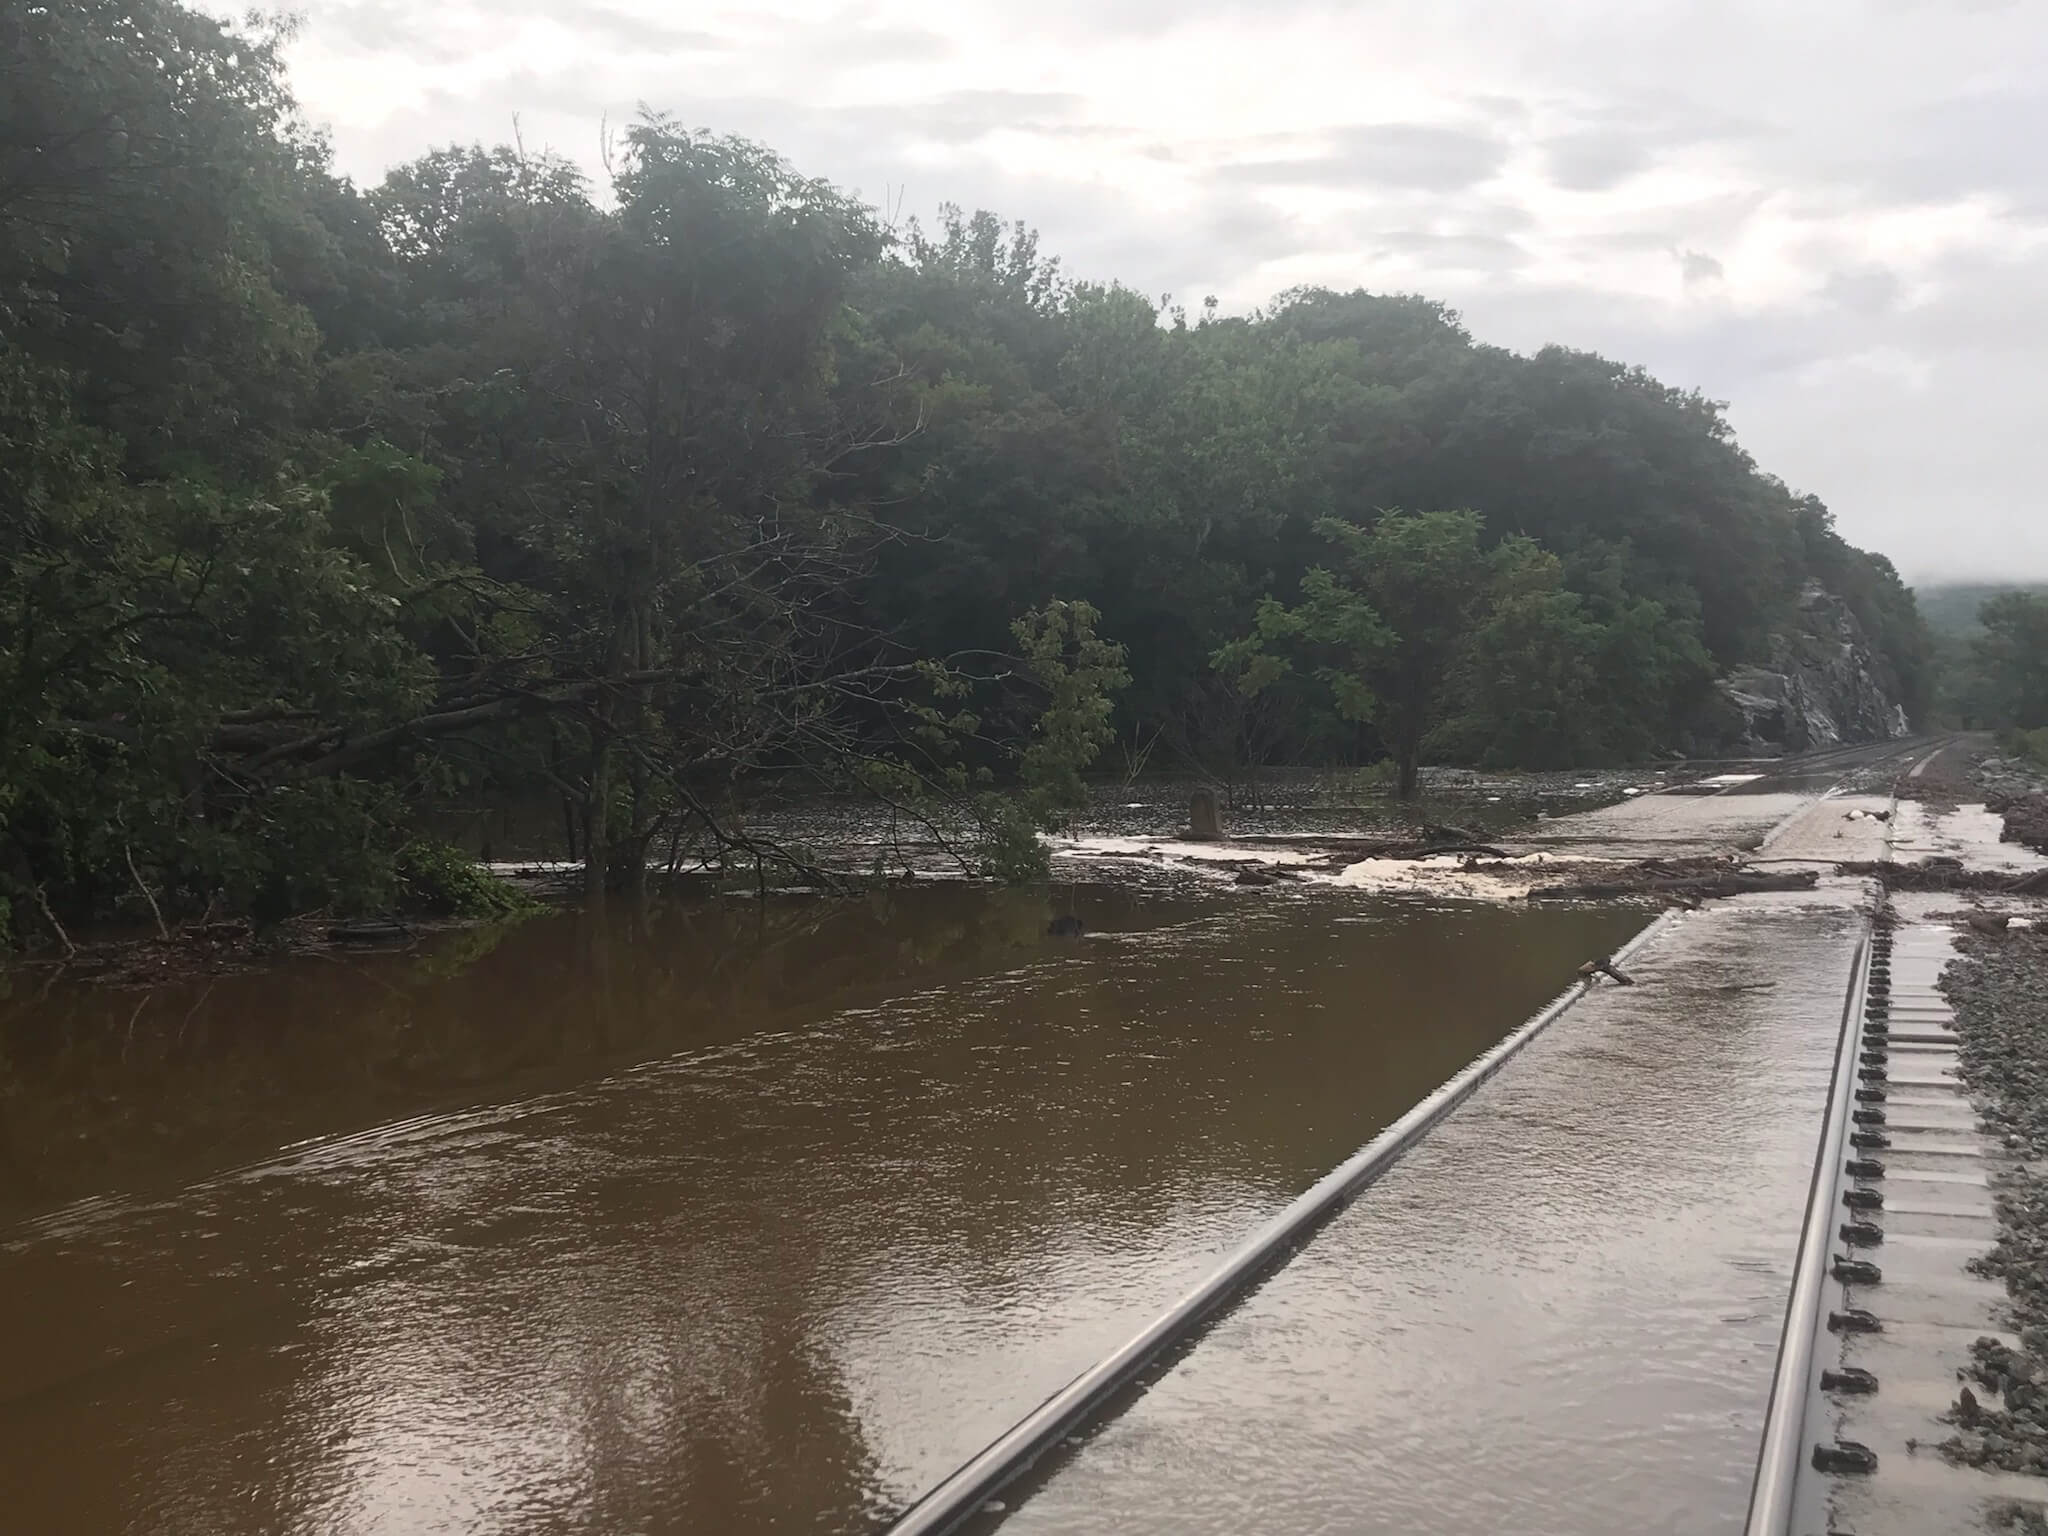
x=322 y=509
x=1384 y=632
x=2011 y=661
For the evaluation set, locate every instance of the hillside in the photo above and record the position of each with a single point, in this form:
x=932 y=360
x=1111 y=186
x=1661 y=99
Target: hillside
x=484 y=484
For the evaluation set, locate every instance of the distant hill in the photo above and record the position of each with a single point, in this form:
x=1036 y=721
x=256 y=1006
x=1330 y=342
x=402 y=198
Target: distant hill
x=1951 y=608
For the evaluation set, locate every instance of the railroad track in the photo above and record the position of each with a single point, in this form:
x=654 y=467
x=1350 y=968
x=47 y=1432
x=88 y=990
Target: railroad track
x=1883 y=1309
x=1097 y=1391
x=1100 y=1390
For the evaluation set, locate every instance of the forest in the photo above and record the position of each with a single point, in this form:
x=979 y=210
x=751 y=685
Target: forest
x=326 y=506
x=1991 y=662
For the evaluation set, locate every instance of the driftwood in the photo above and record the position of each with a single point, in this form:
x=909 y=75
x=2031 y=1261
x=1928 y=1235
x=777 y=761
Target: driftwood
x=1437 y=834
x=1593 y=968
x=1351 y=849
x=1949 y=875
x=368 y=933
x=1703 y=887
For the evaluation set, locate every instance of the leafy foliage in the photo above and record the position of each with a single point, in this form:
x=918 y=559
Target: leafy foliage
x=327 y=508
x=436 y=878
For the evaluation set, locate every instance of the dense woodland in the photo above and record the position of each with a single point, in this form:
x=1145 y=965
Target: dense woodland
x=1991 y=655
x=327 y=505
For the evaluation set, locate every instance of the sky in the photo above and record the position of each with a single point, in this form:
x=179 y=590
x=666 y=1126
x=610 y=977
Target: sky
x=1832 y=214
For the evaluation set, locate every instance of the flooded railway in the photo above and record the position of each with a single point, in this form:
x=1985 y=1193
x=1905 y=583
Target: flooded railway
x=714 y=1216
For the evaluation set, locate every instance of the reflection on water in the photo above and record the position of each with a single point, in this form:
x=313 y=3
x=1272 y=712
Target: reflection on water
x=702 y=1218
x=1557 y=1316
x=103 y=1089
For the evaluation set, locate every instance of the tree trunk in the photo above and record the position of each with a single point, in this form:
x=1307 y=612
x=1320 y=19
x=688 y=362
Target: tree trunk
x=629 y=864
x=596 y=833
x=1411 y=769
x=1408 y=713
x=568 y=804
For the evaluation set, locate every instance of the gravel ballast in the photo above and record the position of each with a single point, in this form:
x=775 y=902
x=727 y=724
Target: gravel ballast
x=1999 y=989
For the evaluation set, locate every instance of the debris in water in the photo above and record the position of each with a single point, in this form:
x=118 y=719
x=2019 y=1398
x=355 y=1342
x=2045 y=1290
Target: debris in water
x=1594 y=968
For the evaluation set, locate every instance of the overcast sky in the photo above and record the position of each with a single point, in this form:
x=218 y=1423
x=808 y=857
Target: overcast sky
x=1831 y=213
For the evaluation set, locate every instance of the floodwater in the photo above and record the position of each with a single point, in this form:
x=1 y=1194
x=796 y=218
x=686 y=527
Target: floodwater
x=1558 y=1315
x=708 y=1217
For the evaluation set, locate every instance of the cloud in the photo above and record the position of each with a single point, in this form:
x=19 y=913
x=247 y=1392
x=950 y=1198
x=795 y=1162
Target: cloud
x=1864 y=291
x=1469 y=252
x=1697 y=267
x=962 y=117
x=1593 y=161
x=644 y=33
x=1405 y=155
x=1986 y=141
x=449 y=34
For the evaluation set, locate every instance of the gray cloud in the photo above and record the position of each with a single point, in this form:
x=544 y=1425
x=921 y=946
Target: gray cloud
x=1470 y=252
x=867 y=44
x=1697 y=267
x=961 y=117
x=1408 y=155
x=629 y=31
x=1982 y=142
x=1865 y=291
x=1593 y=161
x=1618 y=139
x=371 y=25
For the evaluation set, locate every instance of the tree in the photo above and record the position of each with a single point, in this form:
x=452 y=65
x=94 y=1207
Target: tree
x=2011 y=661
x=323 y=508
x=1384 y=633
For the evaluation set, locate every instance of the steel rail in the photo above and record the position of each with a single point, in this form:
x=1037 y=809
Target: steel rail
x=964 y=1491
x=1780 y=1451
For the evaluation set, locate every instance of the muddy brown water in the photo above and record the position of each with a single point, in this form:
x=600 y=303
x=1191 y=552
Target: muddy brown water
x=709 y=1217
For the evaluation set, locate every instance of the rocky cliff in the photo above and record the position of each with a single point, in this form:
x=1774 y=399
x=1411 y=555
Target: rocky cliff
x=1823 y=686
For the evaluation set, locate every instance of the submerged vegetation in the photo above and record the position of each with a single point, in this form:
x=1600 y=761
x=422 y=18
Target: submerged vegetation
x=324 y=506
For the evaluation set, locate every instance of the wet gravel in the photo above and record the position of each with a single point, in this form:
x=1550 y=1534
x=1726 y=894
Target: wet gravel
x=1999 y=989
x=2009 y=776
x=2026 y=820
x=2018 y=790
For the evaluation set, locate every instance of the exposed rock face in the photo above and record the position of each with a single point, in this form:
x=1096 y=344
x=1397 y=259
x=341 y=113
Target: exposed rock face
x=1823 y=686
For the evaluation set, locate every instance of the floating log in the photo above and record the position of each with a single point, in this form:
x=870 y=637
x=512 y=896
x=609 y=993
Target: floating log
x=1705 y=887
